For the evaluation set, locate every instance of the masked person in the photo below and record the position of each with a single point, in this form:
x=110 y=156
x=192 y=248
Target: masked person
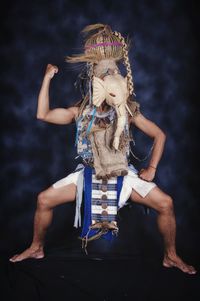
x=103 y=117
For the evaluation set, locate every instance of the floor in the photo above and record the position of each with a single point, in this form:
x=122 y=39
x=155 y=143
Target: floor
x=69 y=274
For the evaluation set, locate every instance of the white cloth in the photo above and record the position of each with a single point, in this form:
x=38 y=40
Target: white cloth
x=130 y=181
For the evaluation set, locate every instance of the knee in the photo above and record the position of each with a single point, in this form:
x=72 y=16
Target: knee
x=166 y=204
x=42 y=201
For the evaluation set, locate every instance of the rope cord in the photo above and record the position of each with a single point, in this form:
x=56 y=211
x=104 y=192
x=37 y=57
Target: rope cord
x=149 y=152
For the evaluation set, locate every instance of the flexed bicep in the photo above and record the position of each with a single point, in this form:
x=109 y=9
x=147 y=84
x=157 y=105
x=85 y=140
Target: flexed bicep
x=61 y=115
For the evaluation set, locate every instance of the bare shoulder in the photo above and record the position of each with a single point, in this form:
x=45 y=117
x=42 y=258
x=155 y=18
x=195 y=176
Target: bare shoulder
x=137 y=119
x=141 y=121
x=146 y=125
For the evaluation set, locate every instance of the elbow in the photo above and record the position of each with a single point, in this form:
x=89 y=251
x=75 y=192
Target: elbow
x=41 y=117
x=160 y=135
x=164 y=135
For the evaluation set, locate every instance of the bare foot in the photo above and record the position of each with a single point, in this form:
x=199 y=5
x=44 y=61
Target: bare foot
x=170 y=261
x=32 y=252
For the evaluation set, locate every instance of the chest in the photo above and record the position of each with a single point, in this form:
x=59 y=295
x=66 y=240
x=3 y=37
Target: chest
x=92 y=121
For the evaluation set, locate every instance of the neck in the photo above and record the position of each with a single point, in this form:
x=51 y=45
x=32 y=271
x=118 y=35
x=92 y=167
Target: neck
x=104 y=107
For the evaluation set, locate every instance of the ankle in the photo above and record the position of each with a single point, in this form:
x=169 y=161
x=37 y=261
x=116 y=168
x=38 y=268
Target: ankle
x=170 y=253
x=36 y=246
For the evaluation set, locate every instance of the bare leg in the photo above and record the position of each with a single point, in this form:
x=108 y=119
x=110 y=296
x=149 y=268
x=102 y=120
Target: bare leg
x=163 y=204
x=47 y=200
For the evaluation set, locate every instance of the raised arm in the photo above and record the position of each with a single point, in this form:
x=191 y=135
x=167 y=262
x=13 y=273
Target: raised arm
x=58 y=115
x=153 y=131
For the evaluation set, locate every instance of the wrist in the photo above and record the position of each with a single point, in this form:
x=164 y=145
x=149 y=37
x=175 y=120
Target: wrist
x=47 y=78
x=153 y=167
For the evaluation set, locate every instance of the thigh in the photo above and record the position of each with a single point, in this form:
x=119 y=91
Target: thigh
x=56 y=196
x=154 y=199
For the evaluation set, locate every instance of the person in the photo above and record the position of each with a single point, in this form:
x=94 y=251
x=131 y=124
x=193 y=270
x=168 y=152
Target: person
x=103 y=50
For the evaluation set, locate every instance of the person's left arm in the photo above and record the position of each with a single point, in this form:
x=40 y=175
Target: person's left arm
x=159 y=137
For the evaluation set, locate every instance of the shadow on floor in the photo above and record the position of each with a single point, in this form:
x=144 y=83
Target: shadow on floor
x=69 y=274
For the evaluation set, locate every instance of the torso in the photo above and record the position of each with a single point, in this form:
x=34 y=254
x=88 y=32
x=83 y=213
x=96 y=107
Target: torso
x=89 y=122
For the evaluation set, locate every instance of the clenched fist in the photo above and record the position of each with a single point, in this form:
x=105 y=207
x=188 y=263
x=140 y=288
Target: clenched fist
x=50 y=71
x=147 y=174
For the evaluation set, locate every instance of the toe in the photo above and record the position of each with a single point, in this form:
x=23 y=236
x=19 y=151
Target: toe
x=192 y=270
x=13 y=258
x=18 y=258
x=21 y=257
x=189 y=269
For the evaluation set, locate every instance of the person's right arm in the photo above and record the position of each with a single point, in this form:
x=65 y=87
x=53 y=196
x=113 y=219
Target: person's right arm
x=58 y=115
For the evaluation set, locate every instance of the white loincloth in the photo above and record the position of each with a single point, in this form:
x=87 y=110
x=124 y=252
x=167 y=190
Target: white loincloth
x=131 y=181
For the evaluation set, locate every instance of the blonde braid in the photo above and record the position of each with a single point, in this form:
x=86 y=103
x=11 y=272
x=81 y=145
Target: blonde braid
x=126 y=62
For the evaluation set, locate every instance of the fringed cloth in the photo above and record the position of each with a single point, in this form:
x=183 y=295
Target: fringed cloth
x=101 y=198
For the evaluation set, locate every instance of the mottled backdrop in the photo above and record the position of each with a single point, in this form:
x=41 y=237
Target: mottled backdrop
x=35 y=154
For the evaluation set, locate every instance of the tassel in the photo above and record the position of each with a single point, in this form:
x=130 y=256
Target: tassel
x=91 y=121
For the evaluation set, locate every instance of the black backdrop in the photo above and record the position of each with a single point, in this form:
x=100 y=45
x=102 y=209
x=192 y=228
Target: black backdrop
x=164 y=59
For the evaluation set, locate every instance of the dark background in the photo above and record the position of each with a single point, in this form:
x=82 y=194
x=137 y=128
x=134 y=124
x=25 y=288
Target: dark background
x=165 y=64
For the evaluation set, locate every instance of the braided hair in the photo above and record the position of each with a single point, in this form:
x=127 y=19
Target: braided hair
x=126 y=62
x=103 y=43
